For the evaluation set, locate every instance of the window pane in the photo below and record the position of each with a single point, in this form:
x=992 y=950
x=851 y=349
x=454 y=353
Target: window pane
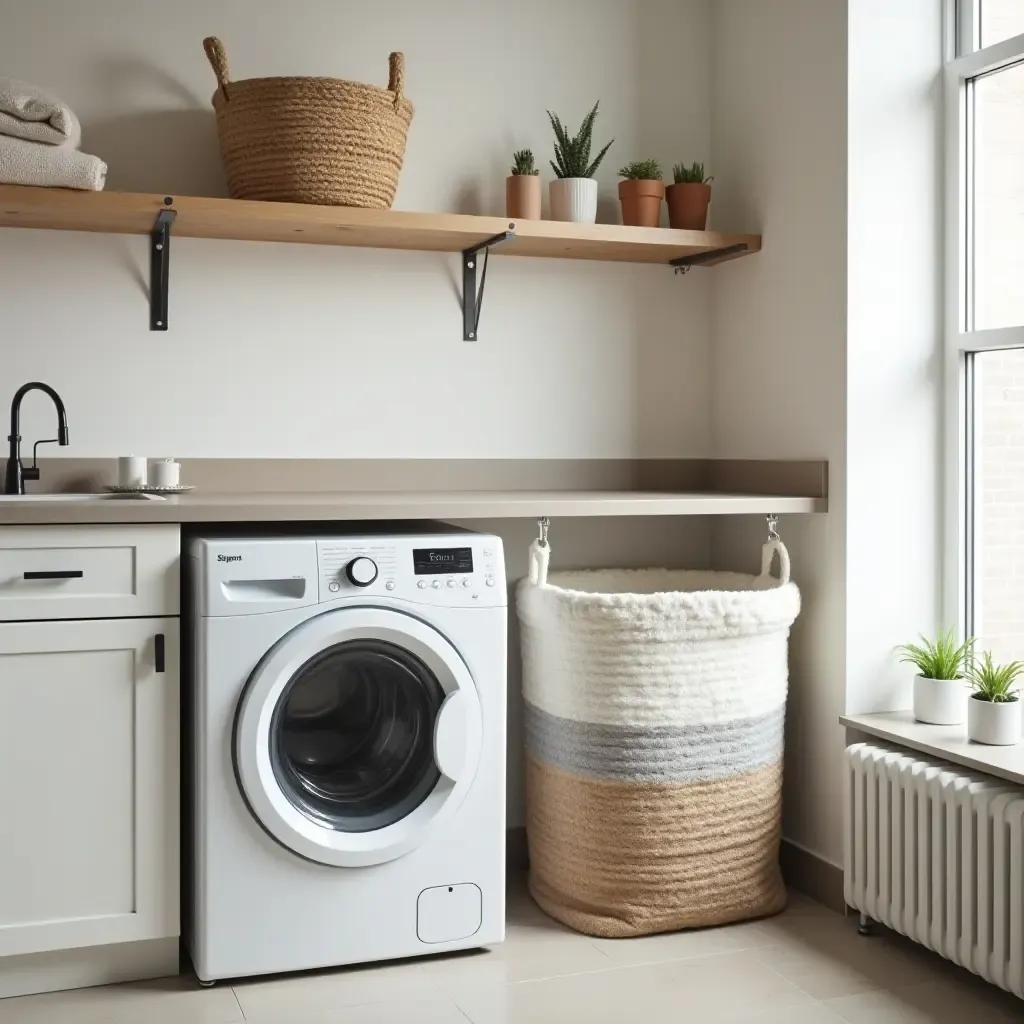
x=1001 y=19
x=999 y=199
x=999 y=504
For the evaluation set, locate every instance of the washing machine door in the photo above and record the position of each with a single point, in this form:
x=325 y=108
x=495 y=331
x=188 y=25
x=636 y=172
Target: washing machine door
x=357 y=735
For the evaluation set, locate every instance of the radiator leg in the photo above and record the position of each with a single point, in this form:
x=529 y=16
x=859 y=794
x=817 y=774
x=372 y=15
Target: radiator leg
x=864 y=925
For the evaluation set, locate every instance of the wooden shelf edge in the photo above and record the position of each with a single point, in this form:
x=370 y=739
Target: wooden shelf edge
x=247 y=220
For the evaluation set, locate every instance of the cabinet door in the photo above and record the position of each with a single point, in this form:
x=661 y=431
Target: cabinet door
x=88 y=783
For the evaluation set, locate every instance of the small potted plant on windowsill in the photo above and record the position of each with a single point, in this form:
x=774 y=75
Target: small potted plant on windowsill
x=994 y=710
x=688 y=197
x=522 y=188
x=940 y=689
x=573 y=193
x=641 y=193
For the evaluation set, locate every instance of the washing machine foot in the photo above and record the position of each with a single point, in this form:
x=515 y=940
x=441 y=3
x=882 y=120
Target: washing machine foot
x=205 y=984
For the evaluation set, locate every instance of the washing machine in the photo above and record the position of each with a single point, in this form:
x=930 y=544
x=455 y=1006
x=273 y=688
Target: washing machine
x=347 y=730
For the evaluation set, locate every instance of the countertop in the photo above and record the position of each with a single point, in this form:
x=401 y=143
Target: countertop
x=204 y=506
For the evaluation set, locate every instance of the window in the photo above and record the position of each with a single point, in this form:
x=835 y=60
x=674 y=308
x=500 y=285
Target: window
x=985 y=321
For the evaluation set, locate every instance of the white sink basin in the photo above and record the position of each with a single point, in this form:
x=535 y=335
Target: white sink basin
x=50 y=497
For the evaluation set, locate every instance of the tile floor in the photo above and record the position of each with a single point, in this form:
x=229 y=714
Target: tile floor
x=807 y=966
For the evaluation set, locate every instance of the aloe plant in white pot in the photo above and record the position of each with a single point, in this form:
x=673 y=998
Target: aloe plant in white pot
x=940 y=686
x=573 y=193
x=994 y=710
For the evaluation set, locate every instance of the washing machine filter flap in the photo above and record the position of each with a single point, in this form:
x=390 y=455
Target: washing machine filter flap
x=356 y=735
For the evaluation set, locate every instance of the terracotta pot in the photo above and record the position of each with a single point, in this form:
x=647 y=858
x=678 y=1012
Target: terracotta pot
x=641 y=201
x=522 y=197
x=688 y=206
x=573 y=199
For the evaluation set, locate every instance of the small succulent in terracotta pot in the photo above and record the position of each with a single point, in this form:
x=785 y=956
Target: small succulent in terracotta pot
x=522 y=187
x=641 y=193
x=688 y=197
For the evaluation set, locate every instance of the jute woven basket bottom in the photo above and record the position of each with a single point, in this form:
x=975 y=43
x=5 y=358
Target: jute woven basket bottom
x=708 y=850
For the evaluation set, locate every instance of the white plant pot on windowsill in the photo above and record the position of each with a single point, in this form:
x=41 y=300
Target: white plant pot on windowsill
x=998 y=724
x=573 y=199
x=940 y=701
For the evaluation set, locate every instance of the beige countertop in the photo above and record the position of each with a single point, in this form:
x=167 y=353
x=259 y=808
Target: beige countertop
x=204 y=506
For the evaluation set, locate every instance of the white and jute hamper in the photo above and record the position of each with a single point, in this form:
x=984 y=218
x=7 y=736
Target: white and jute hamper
x=655 y=702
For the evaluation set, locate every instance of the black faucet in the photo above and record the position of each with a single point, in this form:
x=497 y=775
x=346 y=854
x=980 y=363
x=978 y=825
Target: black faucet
x=16 y=475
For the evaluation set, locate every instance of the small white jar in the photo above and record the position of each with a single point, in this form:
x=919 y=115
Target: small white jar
x=998 y=724
x=940 y=701
x=165 y=473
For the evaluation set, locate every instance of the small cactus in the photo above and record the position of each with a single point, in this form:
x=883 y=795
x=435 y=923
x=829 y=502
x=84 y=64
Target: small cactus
x=523 y=162
x=642 y=170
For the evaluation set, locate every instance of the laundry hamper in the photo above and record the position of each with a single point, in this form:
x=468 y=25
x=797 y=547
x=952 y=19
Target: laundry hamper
x=654 y=710
x=311 y=140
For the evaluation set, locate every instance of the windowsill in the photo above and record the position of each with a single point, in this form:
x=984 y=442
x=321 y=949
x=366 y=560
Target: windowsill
x=948 y=742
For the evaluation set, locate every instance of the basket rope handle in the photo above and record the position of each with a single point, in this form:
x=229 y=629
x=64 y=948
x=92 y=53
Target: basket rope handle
x=772 y=548
x=218 y=58
x=396 y=76
x=540 y=555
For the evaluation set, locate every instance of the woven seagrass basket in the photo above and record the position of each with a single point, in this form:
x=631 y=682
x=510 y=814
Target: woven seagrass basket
x=325 y=141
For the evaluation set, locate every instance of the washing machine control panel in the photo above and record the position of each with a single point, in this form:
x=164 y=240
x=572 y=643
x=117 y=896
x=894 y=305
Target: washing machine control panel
x=464 y=570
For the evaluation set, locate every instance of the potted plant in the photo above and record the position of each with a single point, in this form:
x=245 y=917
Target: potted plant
x=641 y=193
x=689 y=197
x=993 y=712
x=574 y=192
x=522 y=188
x=940 y=689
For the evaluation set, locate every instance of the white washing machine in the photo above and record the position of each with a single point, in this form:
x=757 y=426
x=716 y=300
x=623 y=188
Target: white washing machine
x=348 y=732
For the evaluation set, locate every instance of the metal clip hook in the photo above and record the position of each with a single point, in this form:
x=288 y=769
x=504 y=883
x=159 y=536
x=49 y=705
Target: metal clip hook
x=773 y=527
x=543 y=524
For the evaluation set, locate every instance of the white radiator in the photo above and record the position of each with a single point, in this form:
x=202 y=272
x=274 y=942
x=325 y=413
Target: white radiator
x=935 y=852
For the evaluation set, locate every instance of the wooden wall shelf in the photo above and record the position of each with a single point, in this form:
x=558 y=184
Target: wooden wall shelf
x=243 y=220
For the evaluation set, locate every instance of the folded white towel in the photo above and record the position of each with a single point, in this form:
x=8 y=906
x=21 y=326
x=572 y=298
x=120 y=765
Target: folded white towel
x=29 y=113
x=31 y=163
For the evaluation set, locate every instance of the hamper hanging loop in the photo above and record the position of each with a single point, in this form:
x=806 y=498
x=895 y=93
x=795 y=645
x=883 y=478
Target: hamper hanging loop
x=218 y=58
x=774 y=546
x=396 y=77
x=540 y=553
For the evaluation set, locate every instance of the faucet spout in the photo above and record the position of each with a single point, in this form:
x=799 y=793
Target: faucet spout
x=16 y=474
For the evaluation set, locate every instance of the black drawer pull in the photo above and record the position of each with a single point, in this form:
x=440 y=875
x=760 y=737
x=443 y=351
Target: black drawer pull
x=55 y=574
x=159 y=656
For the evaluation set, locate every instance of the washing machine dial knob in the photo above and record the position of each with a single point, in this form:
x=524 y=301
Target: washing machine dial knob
x=361 y=572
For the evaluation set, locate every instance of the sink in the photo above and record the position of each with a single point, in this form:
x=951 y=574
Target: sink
x=50 y=497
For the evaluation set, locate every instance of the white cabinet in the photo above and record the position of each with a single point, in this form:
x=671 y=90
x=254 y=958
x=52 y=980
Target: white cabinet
x=88 y=783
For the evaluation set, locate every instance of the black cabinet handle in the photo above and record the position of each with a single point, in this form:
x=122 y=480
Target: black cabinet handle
x=55 y=574
x=158 y=652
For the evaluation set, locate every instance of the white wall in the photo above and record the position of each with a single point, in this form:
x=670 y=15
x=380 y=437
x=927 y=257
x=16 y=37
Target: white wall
x=303 y=351
x=279 y=350
x=894 y=351
x=779 y=353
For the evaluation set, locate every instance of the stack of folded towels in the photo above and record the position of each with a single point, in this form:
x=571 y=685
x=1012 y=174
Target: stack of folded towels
x=39 y=138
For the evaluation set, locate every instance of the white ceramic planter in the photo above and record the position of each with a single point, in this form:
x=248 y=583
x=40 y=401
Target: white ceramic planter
x=995 y=724
x=574 y=199
x=940 y=701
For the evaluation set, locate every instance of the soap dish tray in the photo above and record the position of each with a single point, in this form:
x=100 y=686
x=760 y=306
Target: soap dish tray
x=148 y=489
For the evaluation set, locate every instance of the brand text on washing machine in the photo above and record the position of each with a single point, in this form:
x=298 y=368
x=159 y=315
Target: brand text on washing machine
x=229 y=558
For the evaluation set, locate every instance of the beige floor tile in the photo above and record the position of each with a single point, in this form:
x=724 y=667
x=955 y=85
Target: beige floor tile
x=403 y=1011
x=704 y=989
x=954 y=1002
x=828 y=959
x=164 y=1001
x=288 y=997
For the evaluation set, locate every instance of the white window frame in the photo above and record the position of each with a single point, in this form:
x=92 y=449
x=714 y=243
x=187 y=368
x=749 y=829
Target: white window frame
x=962 y=499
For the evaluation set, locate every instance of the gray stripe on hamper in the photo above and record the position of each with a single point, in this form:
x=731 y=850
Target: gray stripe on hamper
x=686 y=753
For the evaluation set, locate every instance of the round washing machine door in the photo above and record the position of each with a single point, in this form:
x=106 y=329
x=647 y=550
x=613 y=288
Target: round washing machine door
x=357 y=735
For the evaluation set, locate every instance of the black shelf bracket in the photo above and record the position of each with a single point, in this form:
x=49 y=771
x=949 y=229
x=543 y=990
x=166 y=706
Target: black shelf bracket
x=683 y=263
x=159 y=266
x=472 y=300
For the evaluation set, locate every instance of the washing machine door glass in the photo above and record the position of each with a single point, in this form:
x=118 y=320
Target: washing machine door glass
x=357 y=735
x=351 y=738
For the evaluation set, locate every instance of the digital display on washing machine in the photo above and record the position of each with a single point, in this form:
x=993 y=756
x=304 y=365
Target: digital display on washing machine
x=429 y=561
